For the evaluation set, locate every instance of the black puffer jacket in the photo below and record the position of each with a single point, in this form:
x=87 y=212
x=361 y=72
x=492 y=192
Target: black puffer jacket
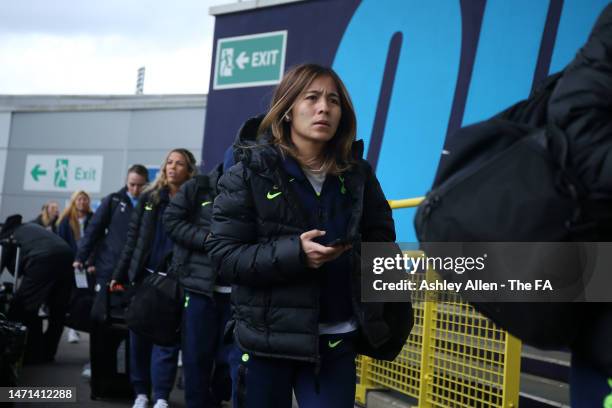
x=256 y=244
x=140 y=238
x=187 y=221
x=581 y=105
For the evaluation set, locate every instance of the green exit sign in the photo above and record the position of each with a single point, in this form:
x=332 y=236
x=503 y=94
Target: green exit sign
x=250 y=60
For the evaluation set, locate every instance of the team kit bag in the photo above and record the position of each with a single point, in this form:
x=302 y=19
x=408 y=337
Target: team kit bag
x=511 y=179
x=515 y=188
x=109 y=307
x=81 y=301
x=155 y=311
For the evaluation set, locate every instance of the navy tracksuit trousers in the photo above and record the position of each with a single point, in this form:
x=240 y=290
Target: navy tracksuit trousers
x=205 y=367
x=268 y=382
x=152 y=365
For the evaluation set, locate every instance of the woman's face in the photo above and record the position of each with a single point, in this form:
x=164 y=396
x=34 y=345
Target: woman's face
x=135 y=183
x=316 y=113
x=82 y=203
x=177 y=171
x=53 y=210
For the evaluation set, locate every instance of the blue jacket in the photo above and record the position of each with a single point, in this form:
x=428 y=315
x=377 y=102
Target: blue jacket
x=64 y=231
x=106 y=233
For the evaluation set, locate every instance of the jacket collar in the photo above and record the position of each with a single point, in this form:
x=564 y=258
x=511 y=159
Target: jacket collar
x=214 y=175
x=164 y=195
x=293 y=168
x=257 y=153
x=263 y=157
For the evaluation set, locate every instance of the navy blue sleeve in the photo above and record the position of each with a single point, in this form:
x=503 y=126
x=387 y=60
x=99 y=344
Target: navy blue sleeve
x=64 y=231
x=96 y=229
x=121 y=270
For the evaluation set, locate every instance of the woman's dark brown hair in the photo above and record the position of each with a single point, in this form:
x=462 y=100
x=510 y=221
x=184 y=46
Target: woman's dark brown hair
x=296 y=81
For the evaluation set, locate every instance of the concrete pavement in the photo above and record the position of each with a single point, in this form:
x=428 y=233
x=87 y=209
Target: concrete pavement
x=66 y=371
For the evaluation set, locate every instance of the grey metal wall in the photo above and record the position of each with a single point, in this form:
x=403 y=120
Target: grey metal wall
x=5 y=127
x=122 y=137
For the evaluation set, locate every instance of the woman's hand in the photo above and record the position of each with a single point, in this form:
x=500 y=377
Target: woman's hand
x=317 y=254
x=115 y=286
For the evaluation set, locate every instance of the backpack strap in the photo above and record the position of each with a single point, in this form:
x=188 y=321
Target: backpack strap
x=114 y=203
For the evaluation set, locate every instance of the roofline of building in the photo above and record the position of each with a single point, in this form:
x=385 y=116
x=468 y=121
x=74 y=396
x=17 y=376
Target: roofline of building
x=246 y=5
x=62 y=103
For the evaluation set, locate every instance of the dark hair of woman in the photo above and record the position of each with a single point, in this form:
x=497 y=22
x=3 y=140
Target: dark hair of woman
x=337 y=155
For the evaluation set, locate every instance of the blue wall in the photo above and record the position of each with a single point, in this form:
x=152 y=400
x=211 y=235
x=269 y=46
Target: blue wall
x=416 y=70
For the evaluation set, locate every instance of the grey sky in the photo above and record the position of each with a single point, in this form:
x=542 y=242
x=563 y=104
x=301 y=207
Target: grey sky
x=96 y=47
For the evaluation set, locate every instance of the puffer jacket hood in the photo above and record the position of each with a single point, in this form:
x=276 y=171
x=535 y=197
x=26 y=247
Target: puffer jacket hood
x=257 y=152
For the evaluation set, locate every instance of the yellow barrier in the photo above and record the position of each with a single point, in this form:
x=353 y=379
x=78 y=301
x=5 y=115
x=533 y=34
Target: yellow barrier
x=454 y=356
x=406 y=203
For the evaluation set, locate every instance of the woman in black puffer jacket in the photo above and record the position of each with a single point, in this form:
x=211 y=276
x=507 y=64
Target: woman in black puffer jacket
x=287 y=227
x=146 y=247
x=207 y=298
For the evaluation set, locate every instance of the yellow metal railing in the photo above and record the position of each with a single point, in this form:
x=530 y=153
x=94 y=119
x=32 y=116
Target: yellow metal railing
x=406 y=202
x=454 y=356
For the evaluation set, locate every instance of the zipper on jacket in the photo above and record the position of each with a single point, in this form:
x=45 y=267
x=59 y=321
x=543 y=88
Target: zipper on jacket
x=317 y=369
x=267 y=301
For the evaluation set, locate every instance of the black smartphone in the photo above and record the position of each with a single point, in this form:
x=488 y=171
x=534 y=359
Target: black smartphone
x=339 y=241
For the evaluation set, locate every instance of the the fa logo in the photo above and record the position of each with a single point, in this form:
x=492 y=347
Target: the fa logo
x=543 y=284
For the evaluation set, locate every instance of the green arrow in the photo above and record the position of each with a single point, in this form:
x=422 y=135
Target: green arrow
x=36 y=172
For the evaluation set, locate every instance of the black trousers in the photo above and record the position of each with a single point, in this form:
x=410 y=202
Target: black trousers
x=49 y=282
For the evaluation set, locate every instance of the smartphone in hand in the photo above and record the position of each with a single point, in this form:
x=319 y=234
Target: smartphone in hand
x=340 y=241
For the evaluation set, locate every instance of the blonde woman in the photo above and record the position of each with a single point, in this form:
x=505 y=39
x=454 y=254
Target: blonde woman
x=71 y=227
x=147 y=244
x=74 y=219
